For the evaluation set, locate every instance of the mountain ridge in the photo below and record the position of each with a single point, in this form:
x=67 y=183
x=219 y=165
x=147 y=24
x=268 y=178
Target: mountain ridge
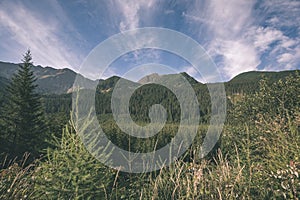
x=49 y=80
x=60 y=81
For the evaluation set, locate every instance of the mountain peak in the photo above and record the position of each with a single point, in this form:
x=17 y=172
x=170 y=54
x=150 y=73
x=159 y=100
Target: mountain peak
x=149 y=78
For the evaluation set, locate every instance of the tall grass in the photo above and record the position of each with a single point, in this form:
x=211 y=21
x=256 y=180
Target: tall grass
x=258 y=158
x=17 y=180
x=205 y=180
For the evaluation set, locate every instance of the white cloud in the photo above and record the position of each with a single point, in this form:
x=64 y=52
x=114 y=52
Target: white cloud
x=109 y=72
x=283 y=58
x=288 y=43
x=131 y=15
x=26 y=30
x=130 y=10
x=289 y=59
x=284 y=13
x=237 y=41
x=239 y=35
x=191 y=71
x=283 y=51
x=227 y=23
x=238 y=56
x=229 y=18
x=196 y=18
x=167 y=12
x=263 y=37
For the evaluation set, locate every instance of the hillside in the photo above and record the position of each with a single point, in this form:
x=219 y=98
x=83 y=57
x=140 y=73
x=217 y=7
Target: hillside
x=255 y=76
x=248 y=82
x=60 y=81
x=238 y=153
x=3 y=83
x=55 y=83
x=49 y=80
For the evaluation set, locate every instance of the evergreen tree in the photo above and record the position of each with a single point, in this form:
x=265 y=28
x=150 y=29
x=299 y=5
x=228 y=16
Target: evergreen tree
x=25 y=129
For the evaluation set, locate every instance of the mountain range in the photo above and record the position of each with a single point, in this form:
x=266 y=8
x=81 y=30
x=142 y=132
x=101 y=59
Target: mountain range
x=49 y=80
x=60 y=81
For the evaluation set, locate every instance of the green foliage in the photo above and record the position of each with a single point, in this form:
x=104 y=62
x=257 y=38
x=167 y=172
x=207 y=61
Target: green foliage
x=150 y=94
x=272 y=99
x=222 y=180
x=262 y=145
x=23 y=118
x=248 y=82
x=257 y=158
x=56 y=122
x=71 y=172
x=57 y=103
x=265 y=128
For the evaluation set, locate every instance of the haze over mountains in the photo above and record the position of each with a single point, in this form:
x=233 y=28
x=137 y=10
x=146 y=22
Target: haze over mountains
x=60 y=81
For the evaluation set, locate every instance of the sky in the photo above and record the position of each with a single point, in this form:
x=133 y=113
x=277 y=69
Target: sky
x=238 y=35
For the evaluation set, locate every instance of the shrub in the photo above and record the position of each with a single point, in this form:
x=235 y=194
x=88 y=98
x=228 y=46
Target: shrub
x=71 y=172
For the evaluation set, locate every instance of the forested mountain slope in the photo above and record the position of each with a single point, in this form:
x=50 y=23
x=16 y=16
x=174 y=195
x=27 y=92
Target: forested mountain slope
x=55 y=84
x=49 y=80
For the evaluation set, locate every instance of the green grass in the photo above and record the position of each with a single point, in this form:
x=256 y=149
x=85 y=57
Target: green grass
x=256 y=158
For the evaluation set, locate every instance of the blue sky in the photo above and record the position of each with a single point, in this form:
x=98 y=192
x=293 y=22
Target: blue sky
x=239 y=35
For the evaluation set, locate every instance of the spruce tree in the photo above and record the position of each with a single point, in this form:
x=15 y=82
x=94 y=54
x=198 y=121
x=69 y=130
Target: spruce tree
x=23 y=115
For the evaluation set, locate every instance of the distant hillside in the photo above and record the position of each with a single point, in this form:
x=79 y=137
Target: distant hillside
x=168 y=77
x=3 y=83
x=108 y=84
x=189 y=78
x=149 y=78
x=150 y=94
x=55 y=84
x=255 y=76
x=248 y=82
x=49 y=80
x=60 y=81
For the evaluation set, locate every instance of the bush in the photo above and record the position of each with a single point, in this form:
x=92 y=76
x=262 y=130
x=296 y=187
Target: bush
x=71 y=172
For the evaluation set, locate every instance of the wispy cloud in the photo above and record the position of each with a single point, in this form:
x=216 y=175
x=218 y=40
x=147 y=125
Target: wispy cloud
x=131 y=12
x=282 y=13
x=26 y=29
x=264 y=37
x=238 y=35
x=237 y=56
x=226 y=23
x=288 y=60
